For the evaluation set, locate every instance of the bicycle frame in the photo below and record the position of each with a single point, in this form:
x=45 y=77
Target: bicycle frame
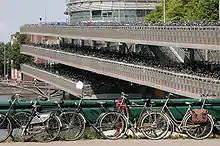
x=79 y=109
x=127 y=117
x=165 y=110
x=34 y=113
x=8 y=114
x=168 y=113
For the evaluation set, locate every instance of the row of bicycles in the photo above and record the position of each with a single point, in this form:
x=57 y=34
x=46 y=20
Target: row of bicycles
x=111 y=124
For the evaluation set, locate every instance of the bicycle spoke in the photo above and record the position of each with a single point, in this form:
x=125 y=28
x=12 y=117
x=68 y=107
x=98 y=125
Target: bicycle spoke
x=157 y=125
x=198 y=131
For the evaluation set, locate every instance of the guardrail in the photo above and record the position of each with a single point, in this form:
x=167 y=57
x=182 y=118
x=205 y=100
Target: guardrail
x=181 y=84
x=199 y=37
x=92 y=109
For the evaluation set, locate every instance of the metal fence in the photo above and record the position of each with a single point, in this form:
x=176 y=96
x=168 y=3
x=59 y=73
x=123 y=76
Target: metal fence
x=182 y=84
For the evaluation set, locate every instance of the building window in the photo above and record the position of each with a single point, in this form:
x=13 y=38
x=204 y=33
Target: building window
x=109 y=14
x=96 y=13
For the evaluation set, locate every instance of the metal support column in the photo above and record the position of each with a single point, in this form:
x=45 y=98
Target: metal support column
x=108 y=45
x=191 y=55
x=64 y=95
x=72 y=42
x=62 y=42
x=123 y=48
x=82 y=43
x=206 y=55
x=93 y=44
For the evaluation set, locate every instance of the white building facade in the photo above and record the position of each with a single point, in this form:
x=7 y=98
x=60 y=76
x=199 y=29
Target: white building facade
x=109 y=10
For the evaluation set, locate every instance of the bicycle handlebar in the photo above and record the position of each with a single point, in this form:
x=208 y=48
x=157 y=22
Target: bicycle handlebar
x=170 y=94
x=16 y=97
x=123 y=94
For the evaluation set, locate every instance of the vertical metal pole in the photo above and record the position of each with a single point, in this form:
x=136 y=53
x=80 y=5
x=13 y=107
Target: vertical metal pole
x=45 y=14
x=4 y=62
x=90 y=12
x=136 y=12
x=113 y=11
x=219 y=9
x=124 y=10
x=82 y=92
x=164 y=11
x=119 y=11
x=206 y=55
x=69 y=15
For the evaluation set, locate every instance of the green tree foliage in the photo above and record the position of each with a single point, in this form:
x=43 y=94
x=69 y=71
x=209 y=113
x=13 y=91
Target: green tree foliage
x=186 y=10
x=156 y=15
x=13 y=53
x=14 y=50
x=1 y=58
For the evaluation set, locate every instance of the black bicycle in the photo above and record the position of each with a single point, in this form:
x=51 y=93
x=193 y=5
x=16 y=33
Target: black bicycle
x=41 y=126
x=78 y=120
x=11 y=124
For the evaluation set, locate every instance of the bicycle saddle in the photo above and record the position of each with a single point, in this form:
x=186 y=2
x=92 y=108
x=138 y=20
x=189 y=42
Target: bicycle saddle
x=146 y=100
x=101 y=102
x=34 y=104
x=59 y=102
x=189 y=103
x=152 y=103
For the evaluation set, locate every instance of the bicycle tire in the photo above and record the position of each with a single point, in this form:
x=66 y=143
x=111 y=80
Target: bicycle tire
x=170 y=131
x=205 y=128
x=160 y=122
x=110 y=119
x=5 y=125
x=22 y=118
x=51 y=132
x=73 y=125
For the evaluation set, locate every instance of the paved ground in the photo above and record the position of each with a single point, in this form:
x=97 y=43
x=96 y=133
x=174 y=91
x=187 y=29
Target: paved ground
x=188 y=142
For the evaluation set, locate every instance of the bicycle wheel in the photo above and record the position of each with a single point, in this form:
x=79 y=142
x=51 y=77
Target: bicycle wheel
x=51 y=131
x=5 y=128
x=21 y=119
x=113 y=125
x=170 y=130
x=73 y=125
x=154 y=125
x=198 y=131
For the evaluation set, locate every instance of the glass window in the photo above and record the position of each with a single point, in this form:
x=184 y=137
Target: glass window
x=96 y=13
x=109 y=14
x=104 y=15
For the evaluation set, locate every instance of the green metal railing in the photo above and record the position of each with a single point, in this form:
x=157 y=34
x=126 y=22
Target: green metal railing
x=92 y=110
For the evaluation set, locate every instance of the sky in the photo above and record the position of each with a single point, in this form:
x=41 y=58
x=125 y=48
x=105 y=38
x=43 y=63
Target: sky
x=15 y=13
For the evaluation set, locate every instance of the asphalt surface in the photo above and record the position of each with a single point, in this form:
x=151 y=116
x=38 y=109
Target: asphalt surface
x=178 y=142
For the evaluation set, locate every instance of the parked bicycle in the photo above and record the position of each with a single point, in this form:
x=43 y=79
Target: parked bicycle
x=42 y=127
x=192 y=124
x=11 y=124
x=147 y=121
x=106 y=128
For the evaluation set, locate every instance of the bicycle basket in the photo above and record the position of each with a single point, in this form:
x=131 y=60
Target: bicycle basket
x=199 y=116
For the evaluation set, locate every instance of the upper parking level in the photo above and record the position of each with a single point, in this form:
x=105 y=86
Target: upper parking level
x=198 y=37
